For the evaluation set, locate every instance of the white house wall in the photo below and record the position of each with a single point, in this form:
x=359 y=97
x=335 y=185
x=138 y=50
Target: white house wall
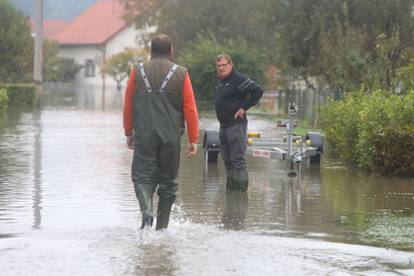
x=128 y=37
x=80 y=54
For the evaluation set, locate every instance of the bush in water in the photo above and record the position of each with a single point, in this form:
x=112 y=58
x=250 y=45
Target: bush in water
x=20 y=94
x=4 y=99
x=373 y=132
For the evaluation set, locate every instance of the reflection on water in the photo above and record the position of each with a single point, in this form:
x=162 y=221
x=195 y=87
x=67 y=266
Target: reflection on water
x=234 y=214
x=67 y=205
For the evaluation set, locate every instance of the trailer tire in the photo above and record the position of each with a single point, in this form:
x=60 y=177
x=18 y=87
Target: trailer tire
x=211 y=145
x=316 y=141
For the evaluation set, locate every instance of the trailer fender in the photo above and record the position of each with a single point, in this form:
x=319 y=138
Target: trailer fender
x=211 y=145
x=315 y=139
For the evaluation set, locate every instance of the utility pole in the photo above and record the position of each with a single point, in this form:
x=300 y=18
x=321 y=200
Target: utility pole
x=38 y=49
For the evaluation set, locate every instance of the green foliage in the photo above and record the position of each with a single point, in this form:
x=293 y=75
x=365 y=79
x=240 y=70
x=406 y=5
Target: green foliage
x=404 y=80
x=200 y=58
x=344 y=64
x=342 y=43
x=20 y=94
x=373 y=132
x=4 y=98
x=55 y=68
x=332 y=43
x=118 y=66
x=16 y=47
x=184 y=20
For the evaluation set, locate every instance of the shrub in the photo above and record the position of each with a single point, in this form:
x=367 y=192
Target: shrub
x=374 y=132
x=200 y=58
x=20 y=94
x=4 y=99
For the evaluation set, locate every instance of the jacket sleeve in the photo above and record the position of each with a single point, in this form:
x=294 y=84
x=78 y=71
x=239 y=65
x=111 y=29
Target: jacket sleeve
x=253 y=91
x=129 y=95
x=190 y=110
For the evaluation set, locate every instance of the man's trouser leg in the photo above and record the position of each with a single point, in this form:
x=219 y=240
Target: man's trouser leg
x=144 y=168
x=234 y=149
x=169 y=164
x=225 y=153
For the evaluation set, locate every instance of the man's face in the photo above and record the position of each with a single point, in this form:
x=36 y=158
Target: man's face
x=224 y=68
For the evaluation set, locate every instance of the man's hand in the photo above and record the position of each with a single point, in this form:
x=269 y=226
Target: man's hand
x=130 y=142
x=191 y=149
x=240 y=113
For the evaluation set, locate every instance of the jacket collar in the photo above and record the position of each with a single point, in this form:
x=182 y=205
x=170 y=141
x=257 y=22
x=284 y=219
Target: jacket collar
x=160 y=56
x=229 y=76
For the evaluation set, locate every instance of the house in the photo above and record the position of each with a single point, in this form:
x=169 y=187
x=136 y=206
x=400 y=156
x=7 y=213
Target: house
x=93 y=37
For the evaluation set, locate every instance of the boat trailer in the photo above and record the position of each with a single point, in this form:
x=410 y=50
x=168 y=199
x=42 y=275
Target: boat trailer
x=291 y=148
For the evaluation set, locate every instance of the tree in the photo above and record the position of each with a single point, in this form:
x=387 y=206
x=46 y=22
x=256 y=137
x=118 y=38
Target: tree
x=184 y=20
x=16 y=47
x=335 y=39
x=55 y=68
x=118 y=66
x=199 y=57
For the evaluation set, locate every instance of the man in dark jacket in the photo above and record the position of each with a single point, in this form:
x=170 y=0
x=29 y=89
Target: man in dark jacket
x=159 y=104
x=235 y=94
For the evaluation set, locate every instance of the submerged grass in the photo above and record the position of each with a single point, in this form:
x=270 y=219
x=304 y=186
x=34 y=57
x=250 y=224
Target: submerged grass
x=388 y=229
x=391 y=229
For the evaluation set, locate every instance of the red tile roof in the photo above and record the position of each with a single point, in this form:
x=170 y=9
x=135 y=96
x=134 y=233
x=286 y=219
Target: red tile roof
x=96 y=25
x=52 y=27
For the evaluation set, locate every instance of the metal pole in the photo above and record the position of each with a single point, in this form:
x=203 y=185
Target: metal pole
x=38 y=49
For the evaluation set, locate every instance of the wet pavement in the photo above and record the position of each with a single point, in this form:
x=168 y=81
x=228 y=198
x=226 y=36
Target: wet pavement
x=67 y=206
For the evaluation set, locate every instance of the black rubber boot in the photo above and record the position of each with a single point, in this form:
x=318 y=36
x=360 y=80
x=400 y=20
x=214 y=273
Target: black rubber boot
x=147 y=221
x=241 y=180
x=163 y=213
x=230 y=180
x=145 y=194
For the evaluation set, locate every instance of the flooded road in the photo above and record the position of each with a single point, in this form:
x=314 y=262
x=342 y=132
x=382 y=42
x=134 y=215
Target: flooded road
x=67 y=206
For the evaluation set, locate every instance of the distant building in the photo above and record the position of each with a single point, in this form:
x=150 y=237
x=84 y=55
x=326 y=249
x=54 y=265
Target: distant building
x=93 y=37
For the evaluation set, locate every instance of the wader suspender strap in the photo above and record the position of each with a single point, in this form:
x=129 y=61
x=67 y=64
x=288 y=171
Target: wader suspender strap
x=144 y=77
x=167 y=78
x=165 y=81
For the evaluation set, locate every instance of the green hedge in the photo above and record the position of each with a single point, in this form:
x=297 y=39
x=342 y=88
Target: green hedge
x=373 y=132
x=4 y=99
x=20 y=94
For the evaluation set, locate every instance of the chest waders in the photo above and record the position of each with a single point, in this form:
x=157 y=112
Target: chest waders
x=158 y=126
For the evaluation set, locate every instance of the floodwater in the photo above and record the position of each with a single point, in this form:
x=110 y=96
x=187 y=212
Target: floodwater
x=67 y=206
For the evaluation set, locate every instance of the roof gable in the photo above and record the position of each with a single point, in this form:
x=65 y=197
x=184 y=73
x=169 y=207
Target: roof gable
x=96 y=25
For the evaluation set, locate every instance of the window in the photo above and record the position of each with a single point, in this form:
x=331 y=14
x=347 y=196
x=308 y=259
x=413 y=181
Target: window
x=89 y=68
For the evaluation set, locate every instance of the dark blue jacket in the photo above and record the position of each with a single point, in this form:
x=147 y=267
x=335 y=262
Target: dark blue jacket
x=232 y=93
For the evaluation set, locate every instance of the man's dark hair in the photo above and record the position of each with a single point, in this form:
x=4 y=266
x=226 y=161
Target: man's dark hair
x=161 y=44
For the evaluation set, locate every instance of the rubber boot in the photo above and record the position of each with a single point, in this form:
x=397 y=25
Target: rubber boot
x=241 y=180
x=147 y=221
x=230 y=180
x=145 y=194
x=163 y=213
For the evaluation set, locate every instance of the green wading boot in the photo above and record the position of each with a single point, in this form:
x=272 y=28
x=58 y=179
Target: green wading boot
x=230 y=180
x=147 y=221
x=241 y=180
x=144 y=194
x=163 y=213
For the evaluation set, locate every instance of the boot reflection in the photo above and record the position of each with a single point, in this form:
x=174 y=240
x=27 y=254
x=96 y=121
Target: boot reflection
x=235 y=210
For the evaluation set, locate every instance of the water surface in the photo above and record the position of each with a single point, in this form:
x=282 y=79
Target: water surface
x=67 y=206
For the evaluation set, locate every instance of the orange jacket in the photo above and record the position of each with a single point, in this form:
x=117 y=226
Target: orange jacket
x=189 y=107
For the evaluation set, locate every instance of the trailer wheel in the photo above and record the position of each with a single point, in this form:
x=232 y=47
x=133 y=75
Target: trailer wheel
x=210 y=156
x=211 y=145
x=316 y=141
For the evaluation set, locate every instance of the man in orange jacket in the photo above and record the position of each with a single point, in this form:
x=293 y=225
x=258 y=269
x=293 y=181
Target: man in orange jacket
x=159 y=99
